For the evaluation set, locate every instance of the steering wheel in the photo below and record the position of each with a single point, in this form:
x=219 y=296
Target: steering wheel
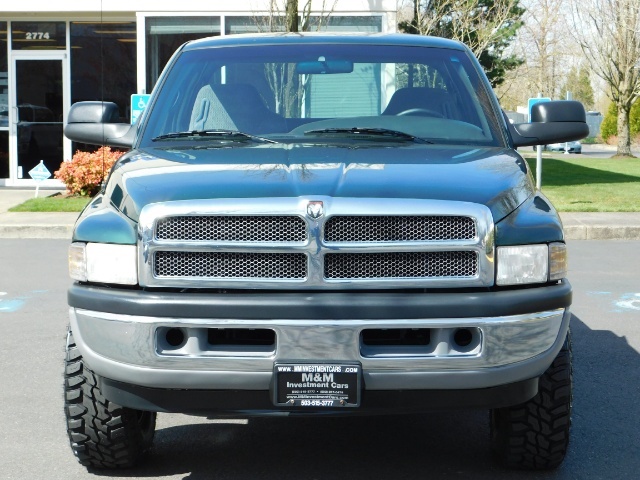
x=420 y=111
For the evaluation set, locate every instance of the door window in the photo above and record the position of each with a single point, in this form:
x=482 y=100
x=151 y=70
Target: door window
x=38 y=96
x=4 y=104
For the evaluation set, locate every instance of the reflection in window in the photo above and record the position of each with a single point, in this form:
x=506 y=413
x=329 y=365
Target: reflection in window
x=415 y=75
x=103 y=65
x=165 y=34
x=4 y=104
x=366 y=101
x=371 y=24
x=4 y=81
x=316 y=23
x=364 y=86
x=38 y=35
x=234 y=25
x=40 y=107
x=4 y=154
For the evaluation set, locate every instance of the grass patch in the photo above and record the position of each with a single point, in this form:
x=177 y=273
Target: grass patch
x=573 y=185
x=54 y=203
x=591 y=184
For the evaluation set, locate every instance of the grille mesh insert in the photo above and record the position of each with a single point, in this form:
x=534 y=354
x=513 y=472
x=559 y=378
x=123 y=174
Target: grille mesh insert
x=399 y=228
x=223 y=228
x=401 y=265
x=231 y=265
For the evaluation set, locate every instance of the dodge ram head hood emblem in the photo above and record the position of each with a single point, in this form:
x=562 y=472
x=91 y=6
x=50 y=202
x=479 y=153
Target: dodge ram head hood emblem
x=315 y=209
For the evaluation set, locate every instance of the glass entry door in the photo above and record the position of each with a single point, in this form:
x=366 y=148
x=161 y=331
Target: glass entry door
x=38 y=109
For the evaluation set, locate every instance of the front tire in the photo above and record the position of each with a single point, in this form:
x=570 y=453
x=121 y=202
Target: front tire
x=102 y=434
x=535 y=434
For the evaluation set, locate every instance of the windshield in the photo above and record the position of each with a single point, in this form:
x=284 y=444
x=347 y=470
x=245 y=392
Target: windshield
x=325 y=93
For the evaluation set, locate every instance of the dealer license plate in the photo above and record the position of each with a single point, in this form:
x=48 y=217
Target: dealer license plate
x=317 y=384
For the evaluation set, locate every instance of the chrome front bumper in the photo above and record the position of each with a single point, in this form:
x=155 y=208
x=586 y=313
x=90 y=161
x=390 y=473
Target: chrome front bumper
x=505 y=349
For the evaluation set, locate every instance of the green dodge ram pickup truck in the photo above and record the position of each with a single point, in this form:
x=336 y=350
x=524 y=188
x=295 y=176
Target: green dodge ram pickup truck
x=316 y=224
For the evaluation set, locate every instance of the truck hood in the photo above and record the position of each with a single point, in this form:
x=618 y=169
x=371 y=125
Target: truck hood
x=495 y=177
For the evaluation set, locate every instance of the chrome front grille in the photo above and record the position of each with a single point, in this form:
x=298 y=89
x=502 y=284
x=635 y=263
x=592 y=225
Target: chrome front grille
x=398 y=228
x=232 y=228
x=284 y=243
x=396 y=265
x=230 y=265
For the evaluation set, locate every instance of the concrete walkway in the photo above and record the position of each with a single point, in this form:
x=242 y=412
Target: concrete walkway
x=32 y=224
x=577 y=226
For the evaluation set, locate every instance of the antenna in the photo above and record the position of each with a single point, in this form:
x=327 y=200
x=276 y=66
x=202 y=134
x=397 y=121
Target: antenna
x=102 y=79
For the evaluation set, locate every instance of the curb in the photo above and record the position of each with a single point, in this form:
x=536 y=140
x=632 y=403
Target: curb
x=601 y=225
x=601 y=232
x=37 y=225
x=36 y=231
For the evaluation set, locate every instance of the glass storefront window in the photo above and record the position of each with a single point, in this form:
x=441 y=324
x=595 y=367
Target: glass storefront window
x=38 y=35
x=369 y=24
x=245 y=24
x=39 y=129
x=165 y=34
x=4 y=78
x=235 y=25
x=4 y=154
x=4 y=103
x=103 y=66
x=103 y=63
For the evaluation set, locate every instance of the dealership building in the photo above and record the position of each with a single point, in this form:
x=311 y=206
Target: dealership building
x=53 y=54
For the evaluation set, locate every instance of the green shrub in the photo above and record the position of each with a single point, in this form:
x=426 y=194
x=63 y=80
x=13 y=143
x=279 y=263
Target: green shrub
x=634 y=119
x=609 y=127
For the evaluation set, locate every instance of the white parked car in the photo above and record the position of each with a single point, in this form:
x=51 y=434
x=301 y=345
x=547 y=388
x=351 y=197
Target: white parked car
x=572 y=147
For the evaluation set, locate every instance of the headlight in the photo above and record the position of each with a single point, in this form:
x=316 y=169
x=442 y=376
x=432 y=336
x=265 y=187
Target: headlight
x=520 y=265
x=103 y=263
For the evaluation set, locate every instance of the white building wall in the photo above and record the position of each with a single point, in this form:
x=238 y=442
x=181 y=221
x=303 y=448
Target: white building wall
x=69 y=11
x=47 y=7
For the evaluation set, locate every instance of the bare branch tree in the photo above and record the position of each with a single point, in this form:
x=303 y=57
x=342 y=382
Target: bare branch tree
x=288 y=16
x=608 y=32
x=466 y=20
x=485 y=26
x=545 y=39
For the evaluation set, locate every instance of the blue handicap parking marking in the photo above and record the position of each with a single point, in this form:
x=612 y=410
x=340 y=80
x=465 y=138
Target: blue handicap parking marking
x=138 y=104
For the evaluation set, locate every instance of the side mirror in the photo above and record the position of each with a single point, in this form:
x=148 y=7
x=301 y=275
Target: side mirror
x=551 y=122
x=96 y=123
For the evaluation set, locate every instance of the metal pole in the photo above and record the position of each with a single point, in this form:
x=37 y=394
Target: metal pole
x=539 y=167
x=566 y=144
x=539 y=161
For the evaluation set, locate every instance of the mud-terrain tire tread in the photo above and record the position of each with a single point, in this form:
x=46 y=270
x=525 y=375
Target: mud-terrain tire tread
x=535 y=435
x=102 y=435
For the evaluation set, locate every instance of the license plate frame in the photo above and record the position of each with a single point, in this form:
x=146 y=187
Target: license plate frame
x=317 y=384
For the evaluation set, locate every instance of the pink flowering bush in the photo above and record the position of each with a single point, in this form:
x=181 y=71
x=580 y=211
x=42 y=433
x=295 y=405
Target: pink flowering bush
x=84 y=174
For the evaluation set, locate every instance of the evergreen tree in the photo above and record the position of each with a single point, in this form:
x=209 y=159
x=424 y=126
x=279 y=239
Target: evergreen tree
x=579 y=84
x=609 y=126
x=487 y=26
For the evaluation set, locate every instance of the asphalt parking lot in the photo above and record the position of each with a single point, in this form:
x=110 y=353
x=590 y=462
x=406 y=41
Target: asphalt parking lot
x=440 y=445
x=597 y=151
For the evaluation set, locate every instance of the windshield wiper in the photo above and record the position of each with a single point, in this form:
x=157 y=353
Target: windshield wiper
x=374 y=132
x=222 y=134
